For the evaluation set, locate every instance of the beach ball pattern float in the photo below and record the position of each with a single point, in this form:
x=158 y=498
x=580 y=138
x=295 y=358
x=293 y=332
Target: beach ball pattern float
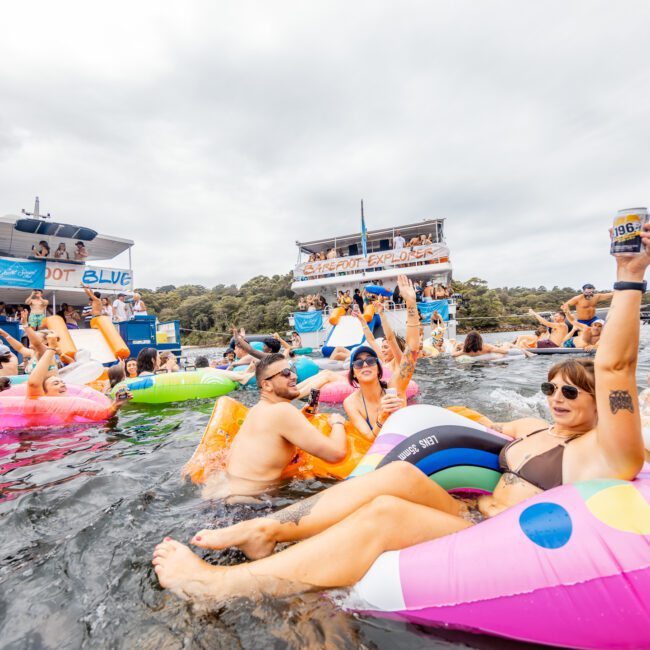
x=548 y=525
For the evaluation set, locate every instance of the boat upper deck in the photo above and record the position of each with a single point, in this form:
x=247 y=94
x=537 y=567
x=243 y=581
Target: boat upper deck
x=37 y=252
x=339 y=260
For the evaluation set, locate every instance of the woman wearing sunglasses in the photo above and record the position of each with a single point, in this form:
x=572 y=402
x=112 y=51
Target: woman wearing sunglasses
x=594 y=433
x=372 y=402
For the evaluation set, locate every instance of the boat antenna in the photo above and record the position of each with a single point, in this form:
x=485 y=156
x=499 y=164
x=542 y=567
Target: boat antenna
x=37 y=212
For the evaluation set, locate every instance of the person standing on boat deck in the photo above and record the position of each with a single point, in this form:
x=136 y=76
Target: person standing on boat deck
x=398 y=241
x=42 y=250
x=139 y=308
x=586 y=303
x=37 y=306
x=558 y=329
x=358 y=299
x=107 y=310
x=120 y=314
x=80 y=253
x=61 y=253
x=427 y=293
x=87 y=313
x=95 y=300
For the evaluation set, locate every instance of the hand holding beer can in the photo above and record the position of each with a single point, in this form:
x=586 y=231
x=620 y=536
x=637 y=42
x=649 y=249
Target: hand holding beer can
x=626 y=232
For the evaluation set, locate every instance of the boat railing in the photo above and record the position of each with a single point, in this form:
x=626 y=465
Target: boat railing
x=436 y=253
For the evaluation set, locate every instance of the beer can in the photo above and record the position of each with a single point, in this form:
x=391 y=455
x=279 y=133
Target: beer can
x=626 y=238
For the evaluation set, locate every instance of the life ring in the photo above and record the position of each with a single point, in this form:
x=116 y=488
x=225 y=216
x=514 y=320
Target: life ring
x=511 y=575
x=227 y=417
x=335 y=392
x=79 y=404
x=177 y=386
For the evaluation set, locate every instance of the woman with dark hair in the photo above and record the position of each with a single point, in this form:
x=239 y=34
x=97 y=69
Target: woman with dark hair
x=474 y=346
x=594 y=433
x=370 y=405
x=148 y=362
x=42 y=250
x=131 y=367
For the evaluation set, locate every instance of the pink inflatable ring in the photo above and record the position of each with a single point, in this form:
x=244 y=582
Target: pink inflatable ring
x=79 y=404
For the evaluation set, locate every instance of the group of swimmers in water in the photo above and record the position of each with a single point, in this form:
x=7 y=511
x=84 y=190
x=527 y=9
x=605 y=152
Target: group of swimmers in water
x=594 y=433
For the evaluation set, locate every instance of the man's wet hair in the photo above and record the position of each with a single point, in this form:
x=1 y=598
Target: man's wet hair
x=272 y=344
x=262 y=369
x=201 y=362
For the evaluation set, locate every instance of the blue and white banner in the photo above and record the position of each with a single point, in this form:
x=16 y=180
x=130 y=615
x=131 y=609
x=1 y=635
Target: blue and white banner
x=308 y=321
x=22 y=273
x=427 y=308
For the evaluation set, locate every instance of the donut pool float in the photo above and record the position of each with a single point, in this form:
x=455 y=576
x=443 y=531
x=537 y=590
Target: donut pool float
x=335 y=392
x=569 y=567
x=79 y=404
x=177 y=386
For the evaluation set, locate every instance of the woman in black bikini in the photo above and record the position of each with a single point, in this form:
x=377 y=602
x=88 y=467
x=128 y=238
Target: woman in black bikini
x=595 y=434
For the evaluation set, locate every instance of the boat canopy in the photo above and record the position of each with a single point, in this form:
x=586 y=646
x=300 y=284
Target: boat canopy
x=19 y=234
x=381 y=239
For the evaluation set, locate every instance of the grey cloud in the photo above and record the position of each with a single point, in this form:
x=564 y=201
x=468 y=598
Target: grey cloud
x=215 y=135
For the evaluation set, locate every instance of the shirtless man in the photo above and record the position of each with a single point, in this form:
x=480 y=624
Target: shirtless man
x=585 y=304
x=274 y=430
x=95 y=301
x=559 y=330
x=37 y=306
x=588 y=336
x=530 y=340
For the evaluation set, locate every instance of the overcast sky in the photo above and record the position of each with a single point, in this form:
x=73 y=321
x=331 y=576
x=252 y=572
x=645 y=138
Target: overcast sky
x=215 y=134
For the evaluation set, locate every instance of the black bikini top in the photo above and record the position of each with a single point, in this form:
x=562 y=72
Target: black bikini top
x=544 y=471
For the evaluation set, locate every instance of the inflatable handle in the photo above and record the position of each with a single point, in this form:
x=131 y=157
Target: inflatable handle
x=57 y=325
x=369 y=312
x=113 y=339
x=336 y=315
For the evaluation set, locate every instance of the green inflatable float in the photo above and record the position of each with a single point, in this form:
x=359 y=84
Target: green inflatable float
x=177 y=386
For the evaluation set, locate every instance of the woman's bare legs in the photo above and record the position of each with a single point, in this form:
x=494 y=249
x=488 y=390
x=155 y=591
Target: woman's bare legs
x=318 y=381
x=337 y=557
x=258 y=537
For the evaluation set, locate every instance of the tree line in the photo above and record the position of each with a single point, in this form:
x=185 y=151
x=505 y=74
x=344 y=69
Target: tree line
x=264 y=304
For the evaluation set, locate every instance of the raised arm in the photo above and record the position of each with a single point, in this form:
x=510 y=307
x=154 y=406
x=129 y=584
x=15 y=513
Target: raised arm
x=301 y=433
x=370 y=337
x=388 y=332
x=36 y=342
x=40 y=372
x=600 y=297
x=540 y=320
x=569 y=303
x=402 y=377
x=619 y=422
x=15 y=344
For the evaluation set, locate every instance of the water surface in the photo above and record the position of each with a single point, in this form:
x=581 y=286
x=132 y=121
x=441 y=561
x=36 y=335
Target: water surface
x=81 y=509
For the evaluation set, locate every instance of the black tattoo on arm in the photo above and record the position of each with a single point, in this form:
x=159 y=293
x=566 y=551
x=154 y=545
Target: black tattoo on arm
x=296 y=512
x=407 y=364
x=620 y=400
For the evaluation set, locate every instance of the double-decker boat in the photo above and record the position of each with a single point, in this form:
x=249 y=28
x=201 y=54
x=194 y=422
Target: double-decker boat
x=74 y=259
x=346 y=268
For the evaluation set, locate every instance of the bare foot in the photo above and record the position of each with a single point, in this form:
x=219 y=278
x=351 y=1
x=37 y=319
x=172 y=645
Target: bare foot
x=255 y=538
x=187 y=575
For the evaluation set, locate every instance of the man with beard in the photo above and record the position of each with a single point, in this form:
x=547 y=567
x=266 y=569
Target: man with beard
x=586 y=303
x=274 y=430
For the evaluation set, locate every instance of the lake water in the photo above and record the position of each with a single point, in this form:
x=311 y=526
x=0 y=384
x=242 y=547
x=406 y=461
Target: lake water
x=82 y=508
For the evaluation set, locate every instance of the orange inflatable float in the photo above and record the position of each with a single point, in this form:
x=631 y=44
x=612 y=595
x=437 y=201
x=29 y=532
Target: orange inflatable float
x=227 y=417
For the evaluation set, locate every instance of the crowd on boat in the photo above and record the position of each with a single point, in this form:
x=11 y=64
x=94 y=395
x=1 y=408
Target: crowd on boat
x=36 y=308
x=42 y=251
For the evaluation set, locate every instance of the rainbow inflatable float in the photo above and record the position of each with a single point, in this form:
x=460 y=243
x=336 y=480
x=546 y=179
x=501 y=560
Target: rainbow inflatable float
x=569 y=567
